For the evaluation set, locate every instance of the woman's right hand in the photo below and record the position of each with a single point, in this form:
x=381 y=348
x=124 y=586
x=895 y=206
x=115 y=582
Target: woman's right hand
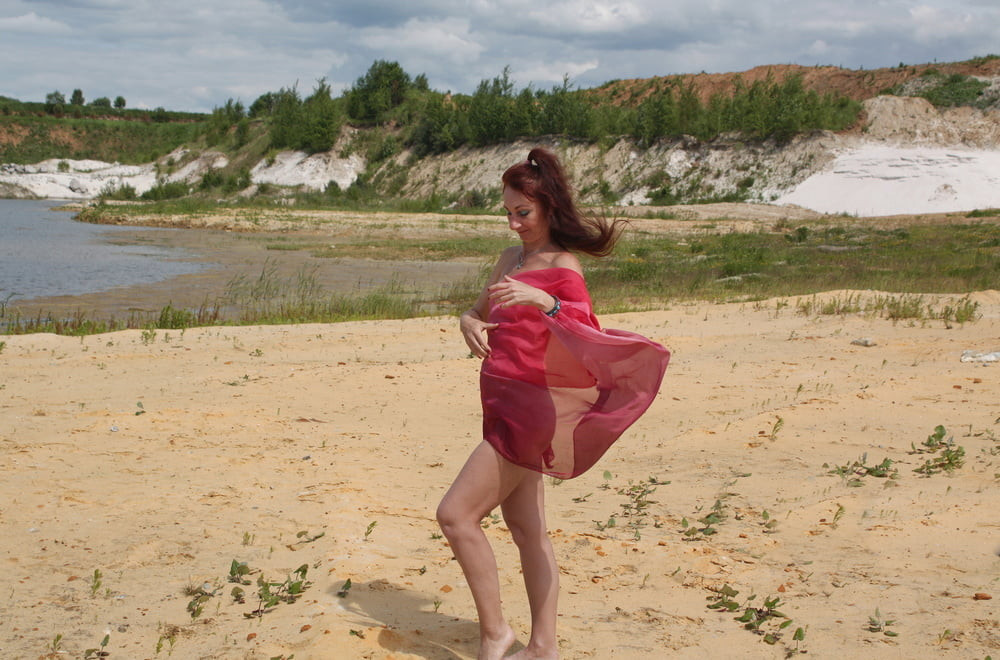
x=474 y=331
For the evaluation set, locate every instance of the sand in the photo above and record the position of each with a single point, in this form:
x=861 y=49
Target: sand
x=158 y=460
x=874 y=179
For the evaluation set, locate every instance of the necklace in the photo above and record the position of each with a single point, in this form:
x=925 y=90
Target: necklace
x=522 y=256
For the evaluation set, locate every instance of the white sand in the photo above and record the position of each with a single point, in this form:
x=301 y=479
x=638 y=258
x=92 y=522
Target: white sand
x=878 y=179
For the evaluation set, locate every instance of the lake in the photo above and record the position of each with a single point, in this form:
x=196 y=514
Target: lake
x=45 y=252
x=52 y=265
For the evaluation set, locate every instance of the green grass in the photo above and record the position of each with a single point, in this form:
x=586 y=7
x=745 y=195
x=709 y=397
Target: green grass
x=741 y=266
x=135 y=142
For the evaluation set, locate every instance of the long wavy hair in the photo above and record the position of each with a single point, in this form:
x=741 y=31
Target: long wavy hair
x=542 y=179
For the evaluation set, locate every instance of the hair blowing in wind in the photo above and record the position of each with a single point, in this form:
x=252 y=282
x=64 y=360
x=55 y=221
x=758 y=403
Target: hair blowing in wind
x=541 y=178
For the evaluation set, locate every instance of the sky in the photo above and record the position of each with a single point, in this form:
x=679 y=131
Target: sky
x=194 y=55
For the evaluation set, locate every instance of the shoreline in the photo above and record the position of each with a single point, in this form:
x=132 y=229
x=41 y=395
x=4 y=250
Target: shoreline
x=246 y=242
x=235 y=254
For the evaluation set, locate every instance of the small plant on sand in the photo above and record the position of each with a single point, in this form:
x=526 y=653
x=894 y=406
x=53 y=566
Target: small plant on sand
x=305 y=537
x=765 y=620
x=769 y=524
x=148 y=336
x=853 y=472
x=877 y=623
x=934 y=442
x=370 y=529
x=492 y=519
x=96 y=581
x=238 y=570
x=98 y=652
x=635 y=506
x=345 y=589
x=947 y=456
x=715 y=515
x=271 y=594
x=950 y=459
x=200 y=596
x=170 y=638
x=778 y=424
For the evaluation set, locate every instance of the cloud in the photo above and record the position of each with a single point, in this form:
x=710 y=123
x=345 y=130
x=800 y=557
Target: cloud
x=193 y=54
x=931 y=23
x=448 y=38
x=372 y=13
x=554 y=72
x=32 y=24
x=586 y=17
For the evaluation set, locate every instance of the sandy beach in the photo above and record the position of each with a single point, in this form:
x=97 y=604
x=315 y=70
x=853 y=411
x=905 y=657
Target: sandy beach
x=158 y=460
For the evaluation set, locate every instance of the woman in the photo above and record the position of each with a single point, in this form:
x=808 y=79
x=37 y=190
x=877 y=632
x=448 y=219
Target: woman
x=556 y=391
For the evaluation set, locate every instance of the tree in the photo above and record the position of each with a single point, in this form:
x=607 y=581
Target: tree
x=264 y=105
x=286 y=118
x=119 y=102
x=222 y=119
x=321 y=119
x=381 y=89
x=564 y=112
x=76 y=98
x=101 y=102
x=55 y=102
x=491 y=112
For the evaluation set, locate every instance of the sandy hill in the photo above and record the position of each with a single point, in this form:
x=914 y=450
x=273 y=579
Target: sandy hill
x=858 y=84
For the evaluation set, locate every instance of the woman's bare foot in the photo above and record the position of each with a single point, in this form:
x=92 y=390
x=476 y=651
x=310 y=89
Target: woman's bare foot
x=493 y=648
x=528 y=653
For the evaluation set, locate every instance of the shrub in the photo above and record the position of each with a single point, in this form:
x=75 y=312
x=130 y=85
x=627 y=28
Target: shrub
x=166 y=190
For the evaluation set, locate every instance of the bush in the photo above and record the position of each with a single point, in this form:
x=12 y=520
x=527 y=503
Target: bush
x=54 y=103
x=166 y=190
x=122 y=192
x=955 y=90
x=382 y=88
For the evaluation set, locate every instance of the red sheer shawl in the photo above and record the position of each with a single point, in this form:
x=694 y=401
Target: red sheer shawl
x=557 y=392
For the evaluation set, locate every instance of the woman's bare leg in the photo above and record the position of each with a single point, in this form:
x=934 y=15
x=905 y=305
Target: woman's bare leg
x=485 y=481
x=524 y=514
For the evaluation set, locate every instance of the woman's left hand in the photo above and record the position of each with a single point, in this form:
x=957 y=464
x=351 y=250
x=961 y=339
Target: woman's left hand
x=509 y=291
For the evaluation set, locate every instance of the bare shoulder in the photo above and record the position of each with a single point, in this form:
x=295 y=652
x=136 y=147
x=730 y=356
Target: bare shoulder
x=506 y=263
x=508 y=258
x=567 y=260
x=510 y=253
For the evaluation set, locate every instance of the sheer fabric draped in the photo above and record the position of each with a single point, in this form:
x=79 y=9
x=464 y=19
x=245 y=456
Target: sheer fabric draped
x=557 y=392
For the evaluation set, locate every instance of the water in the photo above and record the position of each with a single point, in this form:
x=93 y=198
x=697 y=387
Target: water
x=46 y=253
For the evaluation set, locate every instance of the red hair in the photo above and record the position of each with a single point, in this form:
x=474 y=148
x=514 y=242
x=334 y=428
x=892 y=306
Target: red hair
x=542 y=179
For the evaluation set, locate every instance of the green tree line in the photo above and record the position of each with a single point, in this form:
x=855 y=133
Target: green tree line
x=430 y=121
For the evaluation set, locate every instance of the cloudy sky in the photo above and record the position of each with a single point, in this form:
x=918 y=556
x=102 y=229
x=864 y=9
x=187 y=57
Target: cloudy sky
x=194 y=54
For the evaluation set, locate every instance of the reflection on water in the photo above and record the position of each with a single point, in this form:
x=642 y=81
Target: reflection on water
x=44 y=252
